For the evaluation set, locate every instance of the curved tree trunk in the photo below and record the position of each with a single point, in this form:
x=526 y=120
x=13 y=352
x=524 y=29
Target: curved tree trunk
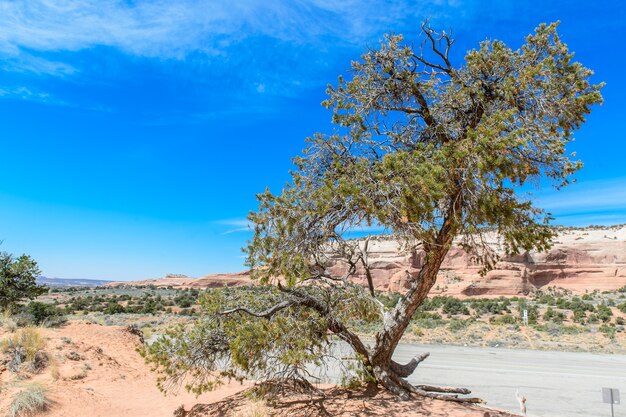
x=389 y=373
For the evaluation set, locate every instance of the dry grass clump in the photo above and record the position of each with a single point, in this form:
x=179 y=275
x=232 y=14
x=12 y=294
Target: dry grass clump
x=8 y=322
x=31 y=400
x=253 y=408
x=25 y=346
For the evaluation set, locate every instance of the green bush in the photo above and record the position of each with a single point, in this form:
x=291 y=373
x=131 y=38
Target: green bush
x=458 y=325
x=604 y=313
x=608 y=330
x=453 y=306
x=429 y=320
x=43 y=313
x=114 y=308
x=556 y=317
x=503 y=320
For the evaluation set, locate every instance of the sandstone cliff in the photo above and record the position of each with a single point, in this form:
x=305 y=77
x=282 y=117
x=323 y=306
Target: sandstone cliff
x=580 y=260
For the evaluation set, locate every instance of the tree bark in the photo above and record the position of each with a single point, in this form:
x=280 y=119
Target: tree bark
x=389 y=373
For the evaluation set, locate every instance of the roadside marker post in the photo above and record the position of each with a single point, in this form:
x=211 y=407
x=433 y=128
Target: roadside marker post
x=610 y=396
x=525 y=317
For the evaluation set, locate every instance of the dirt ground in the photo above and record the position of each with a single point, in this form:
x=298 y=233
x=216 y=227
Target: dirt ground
x=96 y=371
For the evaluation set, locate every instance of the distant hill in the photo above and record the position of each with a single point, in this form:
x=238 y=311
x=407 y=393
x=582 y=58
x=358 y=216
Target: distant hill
x=65 y=282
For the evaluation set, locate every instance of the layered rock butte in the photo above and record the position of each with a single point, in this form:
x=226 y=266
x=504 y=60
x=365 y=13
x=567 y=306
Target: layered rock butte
x=580 y=260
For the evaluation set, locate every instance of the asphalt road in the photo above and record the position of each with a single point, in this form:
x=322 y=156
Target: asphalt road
x=556 y=384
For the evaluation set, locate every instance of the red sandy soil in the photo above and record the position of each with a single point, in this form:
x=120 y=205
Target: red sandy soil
x=339 y=402
x=117 y=382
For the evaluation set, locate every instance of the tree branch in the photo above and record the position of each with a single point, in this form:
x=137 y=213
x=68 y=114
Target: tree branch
x=267 y=314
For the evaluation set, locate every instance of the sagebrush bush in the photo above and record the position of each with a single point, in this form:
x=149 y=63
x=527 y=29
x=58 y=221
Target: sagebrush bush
x=8 y=322
x=30 y=401
x=24 y=346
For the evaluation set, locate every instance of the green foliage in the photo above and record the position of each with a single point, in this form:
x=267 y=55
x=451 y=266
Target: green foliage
x=604 y=313
x=18 y=280
x=44 y=313
x=427 y=320
x=250 y=347
x=489 y=306
x=503 y=320
x=608 y=330
x=458 y=325
x=430 y=152
x=554 y=316
x=532 y=309
x=406 y=139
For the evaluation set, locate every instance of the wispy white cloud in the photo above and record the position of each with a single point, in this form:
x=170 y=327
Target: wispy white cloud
x=587 y=202
x=586 y=196
x=235 y=225
x=173 y=29
x=233 y=222
x=25 y=93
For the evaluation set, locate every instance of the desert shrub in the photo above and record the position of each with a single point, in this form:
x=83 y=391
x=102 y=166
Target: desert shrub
x=31 y=400
x=28 y=339
x=25 y=348
x=503 y=320
x=604 y=313
x=453 y=306
x=579 y=316
x=533 y=311
x=490 y=306
x=622 y=307
x=44 y=313
x=114 y=308
x=417 y=331
x=8 y=321
x=543 y=298
x=458 y=325
x=620 y=321
x=253 y=408
x=608 y=330
x=389 y=300
x=428 y=320
x=554 y=316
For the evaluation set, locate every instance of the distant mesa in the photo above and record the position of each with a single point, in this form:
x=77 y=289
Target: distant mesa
x=581 y=260
x=182 y=281
x=67 y=282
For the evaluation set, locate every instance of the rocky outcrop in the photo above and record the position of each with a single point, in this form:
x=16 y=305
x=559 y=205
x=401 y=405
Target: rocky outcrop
x=580 y=260
x=207 y=281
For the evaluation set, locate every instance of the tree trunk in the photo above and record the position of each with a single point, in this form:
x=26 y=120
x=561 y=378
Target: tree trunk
x=389 y=373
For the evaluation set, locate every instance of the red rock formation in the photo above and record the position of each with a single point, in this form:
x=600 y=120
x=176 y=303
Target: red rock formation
x=581 y=260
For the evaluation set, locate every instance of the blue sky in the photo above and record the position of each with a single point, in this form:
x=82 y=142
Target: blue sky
x=135 y=134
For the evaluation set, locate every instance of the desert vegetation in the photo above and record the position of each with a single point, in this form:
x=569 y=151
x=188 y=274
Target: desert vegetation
x=431 y=153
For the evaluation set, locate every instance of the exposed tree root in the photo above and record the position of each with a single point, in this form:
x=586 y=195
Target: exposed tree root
x=448 y=390
x=393 y=378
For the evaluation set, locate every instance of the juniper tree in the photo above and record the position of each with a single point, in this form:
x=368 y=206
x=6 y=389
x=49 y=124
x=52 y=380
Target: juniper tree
x=18 y=280
x=432 y=152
